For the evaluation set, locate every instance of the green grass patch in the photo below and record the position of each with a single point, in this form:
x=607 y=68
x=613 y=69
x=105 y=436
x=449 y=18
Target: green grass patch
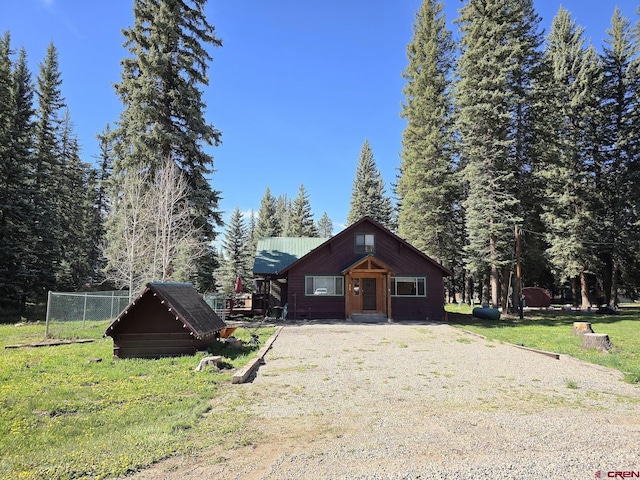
x=64 y=415
x=461 y=308
x=571 y=384
x=553 y=331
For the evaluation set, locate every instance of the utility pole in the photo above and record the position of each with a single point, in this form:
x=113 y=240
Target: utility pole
x=519 y=273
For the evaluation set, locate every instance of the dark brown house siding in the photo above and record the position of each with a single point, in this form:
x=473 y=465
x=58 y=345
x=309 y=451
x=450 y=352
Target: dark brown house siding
x=338 y=253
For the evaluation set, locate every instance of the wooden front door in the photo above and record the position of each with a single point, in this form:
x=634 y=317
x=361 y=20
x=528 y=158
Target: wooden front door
x=369 y=296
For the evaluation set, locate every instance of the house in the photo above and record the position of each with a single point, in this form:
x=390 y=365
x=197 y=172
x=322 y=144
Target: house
x=363 y=270
x=165 y=320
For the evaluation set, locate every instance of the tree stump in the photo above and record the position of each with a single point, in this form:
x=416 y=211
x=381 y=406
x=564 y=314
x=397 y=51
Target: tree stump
x=599 y=341
x=580 y=328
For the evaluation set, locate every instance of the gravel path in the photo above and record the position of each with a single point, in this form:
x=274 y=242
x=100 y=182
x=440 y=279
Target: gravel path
x=400 y=401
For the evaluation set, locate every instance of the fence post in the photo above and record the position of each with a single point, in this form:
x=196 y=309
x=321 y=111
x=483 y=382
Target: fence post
x=46 y=322
x=84 y=311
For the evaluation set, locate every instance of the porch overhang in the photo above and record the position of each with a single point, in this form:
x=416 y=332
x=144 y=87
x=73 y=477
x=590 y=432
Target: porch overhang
x=369 y=264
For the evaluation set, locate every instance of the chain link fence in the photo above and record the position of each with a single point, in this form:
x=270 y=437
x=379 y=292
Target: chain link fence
x=68 y=314
x=72 y=311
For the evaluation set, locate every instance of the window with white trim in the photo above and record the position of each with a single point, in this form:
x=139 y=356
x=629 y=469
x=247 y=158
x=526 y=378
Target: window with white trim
x=324 y=286
x=365 y=243
x=408 y=286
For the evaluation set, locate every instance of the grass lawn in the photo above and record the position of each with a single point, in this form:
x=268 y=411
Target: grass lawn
x=64 y=415
x=552 y=331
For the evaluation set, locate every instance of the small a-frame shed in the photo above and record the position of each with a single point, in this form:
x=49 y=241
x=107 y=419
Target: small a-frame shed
x=165 y=320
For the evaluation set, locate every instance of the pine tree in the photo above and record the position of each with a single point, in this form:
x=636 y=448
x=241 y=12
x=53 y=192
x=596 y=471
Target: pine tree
x=94 y=226
x=267 y=220
x=302 y=224
x=252 y=237
x=49 y=208
x=8 y=252
x=163 y=117
x=236 y=256
x=99 y=184
x=76 y=239
x=368 y=196
x=497 y=38
x=325 y=226
x=283 y=216
x=19 y=176
x=616 y=179
x=105 y=163
x=570 y=109
x=16 y=256
x=425 y=188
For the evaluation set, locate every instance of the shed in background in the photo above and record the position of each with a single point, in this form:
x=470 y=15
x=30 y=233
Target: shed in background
x=165 y=320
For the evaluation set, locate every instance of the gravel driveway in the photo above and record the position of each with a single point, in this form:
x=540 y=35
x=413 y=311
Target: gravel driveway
x=409 y=401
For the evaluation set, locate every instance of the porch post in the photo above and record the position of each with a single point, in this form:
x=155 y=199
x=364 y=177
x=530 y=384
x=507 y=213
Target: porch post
x=348 y=296
x=388 y=286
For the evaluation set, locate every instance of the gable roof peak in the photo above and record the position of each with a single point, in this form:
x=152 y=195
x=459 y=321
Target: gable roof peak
x=183 y=301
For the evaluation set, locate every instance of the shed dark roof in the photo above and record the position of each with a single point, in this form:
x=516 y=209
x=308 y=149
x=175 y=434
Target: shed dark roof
x=273 y=254
x=185 y=303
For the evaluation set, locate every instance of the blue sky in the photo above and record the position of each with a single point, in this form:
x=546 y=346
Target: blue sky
x=295 y=89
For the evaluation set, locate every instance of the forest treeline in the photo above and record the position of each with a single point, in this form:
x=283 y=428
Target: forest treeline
x=509 y=129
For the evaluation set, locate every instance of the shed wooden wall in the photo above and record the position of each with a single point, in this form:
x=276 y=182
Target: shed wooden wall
x=338 y=254
x=150 y=331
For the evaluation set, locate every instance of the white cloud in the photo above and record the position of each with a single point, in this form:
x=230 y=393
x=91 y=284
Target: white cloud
x=61 y=17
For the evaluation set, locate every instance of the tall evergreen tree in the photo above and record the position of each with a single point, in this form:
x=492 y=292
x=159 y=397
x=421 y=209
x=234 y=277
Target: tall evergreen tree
x=302 y=224
x=15 y=149
x=236 y=256
x=252 y=237
x=105 y=168
x=283 y=216
x=49 y=209
x=618 y=176
x=19 y=242
x=570 y=109
x=267 y=220
x=163 y=117
x=528 y=40
x=426 y=188
x=99 y=183
x=8 y=253
x=496 y=38
x=76 y=238
x=325 y=226
x=6 y=89
x=368 y=196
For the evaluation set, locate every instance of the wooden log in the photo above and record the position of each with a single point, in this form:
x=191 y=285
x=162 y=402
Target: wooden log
x=51 y=343
x=580 y=328
x=599 y=341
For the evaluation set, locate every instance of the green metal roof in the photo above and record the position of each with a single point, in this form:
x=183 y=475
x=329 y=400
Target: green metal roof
x=273 y=254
